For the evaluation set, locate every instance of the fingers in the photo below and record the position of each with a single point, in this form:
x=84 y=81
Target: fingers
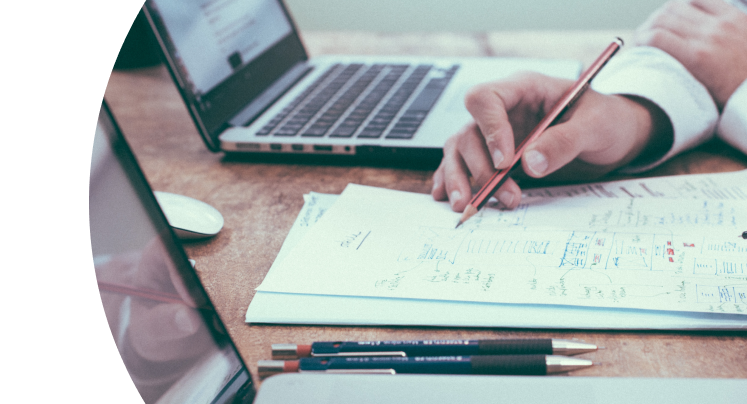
x=673 y=19
x=466 y=154
x=503 y=112
x=556 y=147
x=602 y=130
x=509 y=194
x=713 y=7
x=488 y=104
x=455 y=176
x=166 y=332
x=707 y=36
x=666 y=40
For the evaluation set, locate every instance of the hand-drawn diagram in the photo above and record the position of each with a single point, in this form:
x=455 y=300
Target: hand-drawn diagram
x=608 y=268
x=721 y=294
x=615 y=252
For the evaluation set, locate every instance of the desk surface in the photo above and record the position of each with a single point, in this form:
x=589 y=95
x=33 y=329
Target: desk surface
x=260 y=201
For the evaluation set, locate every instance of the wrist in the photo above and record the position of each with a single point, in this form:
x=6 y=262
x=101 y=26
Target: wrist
x=653 y=132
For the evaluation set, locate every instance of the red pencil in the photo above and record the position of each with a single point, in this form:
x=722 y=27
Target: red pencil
x=565 y=102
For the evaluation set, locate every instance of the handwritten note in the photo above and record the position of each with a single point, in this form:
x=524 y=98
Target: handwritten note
x=721 y=186
x=642 y=252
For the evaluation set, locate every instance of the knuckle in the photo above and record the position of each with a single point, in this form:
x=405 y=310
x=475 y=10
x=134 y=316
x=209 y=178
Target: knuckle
x=564 y=141
x=699 y=56
x=482 y=177
x=477 y=96
x=655 y=37
x=451 y=143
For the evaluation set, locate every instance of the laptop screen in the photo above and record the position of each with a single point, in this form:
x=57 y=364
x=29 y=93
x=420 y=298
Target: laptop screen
x=168 y=334
x=223 y=53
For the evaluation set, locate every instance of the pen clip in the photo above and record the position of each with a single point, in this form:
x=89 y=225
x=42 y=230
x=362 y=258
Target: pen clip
x=390 y=353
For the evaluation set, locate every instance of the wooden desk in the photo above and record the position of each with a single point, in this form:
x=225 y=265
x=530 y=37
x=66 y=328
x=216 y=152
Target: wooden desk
x=260 y=201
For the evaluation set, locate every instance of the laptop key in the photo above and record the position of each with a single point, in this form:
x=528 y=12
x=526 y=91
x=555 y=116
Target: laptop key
x=370 y=133
x=318 y=101
x=410 y=121
x=377 y=125
x=334 y=112
x=279 y=117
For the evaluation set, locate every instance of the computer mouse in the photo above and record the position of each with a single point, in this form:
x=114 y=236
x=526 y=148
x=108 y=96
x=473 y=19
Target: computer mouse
x=189 y=217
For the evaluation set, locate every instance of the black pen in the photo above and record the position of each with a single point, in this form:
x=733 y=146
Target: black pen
x=545 y=346
x=465 y=365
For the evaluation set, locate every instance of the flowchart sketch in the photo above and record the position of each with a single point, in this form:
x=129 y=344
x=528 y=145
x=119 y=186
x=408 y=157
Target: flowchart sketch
x=382 y=243
x=433 y=245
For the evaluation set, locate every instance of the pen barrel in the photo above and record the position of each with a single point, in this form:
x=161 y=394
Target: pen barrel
x=434 y=347
x=478 y=364
x=515 y=347
x=397 y=348
x=419 y=364
x=525 y=365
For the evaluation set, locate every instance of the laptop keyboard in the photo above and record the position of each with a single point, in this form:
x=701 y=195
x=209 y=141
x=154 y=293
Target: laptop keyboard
x=362 y=101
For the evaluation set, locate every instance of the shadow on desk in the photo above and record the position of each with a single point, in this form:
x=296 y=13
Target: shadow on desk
x=376 y=158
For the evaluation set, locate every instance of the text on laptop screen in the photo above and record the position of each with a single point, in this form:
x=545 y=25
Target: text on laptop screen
x=214 y=38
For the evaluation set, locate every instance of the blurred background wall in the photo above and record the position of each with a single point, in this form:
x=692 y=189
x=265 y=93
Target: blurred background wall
x=469 y=15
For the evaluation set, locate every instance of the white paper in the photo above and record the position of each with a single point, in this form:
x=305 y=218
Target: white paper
x=288 y=308
x=623 y=253
x=720 y=186
x=285 y=308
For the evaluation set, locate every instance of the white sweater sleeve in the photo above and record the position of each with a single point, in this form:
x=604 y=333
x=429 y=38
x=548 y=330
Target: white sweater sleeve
x=654 y=75
x=732 y=128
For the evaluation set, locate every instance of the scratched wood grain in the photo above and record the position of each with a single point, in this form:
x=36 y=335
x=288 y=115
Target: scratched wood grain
x=260 y=199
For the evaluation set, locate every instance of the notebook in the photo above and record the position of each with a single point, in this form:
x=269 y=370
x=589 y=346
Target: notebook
x=250 y=86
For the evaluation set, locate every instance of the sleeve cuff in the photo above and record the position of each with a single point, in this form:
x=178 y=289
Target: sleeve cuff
x=654 y=75
x=732 y=128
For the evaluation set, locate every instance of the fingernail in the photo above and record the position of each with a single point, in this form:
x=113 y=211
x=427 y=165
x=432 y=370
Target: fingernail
x=497 y=158
x=506 y=198
x=455 y=196
x=435 y=185
x=536 y=161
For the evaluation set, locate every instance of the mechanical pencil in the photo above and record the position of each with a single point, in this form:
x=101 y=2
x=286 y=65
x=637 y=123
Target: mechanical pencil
x=474 y=365
x=544 y=346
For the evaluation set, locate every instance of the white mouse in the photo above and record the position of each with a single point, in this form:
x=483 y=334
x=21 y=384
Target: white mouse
x=190 y=218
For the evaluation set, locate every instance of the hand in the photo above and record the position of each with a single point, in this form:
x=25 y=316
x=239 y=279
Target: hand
x=158 y=340
x=161 y=332
x=600 y=133
x=709 y=37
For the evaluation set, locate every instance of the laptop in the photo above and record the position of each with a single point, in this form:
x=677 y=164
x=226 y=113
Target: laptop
x=250 y=86
x=176 y=349
x=170 y=338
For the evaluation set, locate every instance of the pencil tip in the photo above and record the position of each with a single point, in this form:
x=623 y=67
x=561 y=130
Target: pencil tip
x=469 y=211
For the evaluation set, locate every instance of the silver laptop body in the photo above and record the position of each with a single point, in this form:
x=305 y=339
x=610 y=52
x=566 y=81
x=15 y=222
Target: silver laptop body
x=251 y=87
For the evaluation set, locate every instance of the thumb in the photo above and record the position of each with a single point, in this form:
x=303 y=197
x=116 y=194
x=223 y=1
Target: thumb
x=553 y=149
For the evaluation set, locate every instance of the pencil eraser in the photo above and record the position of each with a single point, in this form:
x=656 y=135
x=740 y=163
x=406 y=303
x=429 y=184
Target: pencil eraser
x=303 y=351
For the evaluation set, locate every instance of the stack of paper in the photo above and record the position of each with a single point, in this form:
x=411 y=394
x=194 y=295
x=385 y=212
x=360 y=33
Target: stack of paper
x=661 y=253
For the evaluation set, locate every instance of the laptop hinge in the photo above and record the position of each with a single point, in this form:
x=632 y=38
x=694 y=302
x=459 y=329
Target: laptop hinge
x=255 y=108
